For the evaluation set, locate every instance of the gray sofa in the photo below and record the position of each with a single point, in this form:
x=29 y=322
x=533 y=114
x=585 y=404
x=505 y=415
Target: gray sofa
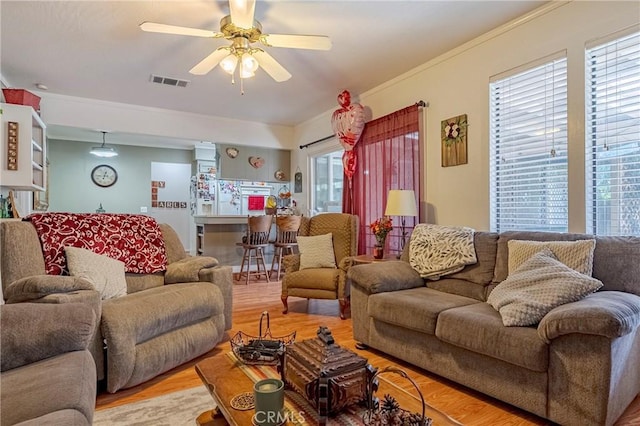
x=48 y=374
x=579 y=366
x=162 y=322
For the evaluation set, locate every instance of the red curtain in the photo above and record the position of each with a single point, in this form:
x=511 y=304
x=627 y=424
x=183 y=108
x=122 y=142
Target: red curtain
x=388 y=157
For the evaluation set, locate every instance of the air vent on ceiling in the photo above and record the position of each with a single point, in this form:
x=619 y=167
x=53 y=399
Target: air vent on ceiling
x=176 y=82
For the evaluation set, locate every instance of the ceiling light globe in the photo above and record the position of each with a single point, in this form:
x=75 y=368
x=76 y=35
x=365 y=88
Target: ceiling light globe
x=229 y=63
x=247 y=73
x=249 y=63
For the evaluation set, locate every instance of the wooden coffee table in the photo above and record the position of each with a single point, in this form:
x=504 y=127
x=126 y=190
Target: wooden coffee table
x=224 y=378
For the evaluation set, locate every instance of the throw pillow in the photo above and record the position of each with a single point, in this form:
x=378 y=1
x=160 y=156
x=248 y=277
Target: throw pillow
x=106 y=274
x=577 y=255
x=536 y=287
x=316 y=251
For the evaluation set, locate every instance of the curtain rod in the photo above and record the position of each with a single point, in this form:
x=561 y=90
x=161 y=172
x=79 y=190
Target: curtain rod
x=420 y=103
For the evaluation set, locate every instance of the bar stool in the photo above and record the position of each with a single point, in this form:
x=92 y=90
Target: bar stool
x=286 y=233
x=256 y=239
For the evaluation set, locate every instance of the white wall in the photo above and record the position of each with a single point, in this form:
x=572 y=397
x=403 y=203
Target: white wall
x=457 y=83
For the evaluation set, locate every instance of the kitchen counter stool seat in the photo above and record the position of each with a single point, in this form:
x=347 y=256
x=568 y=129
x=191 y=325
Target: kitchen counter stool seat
x=286 y=234
x=254 y=242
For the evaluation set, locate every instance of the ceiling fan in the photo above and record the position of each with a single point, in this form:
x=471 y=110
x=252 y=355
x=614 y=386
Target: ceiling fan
x=243 y=31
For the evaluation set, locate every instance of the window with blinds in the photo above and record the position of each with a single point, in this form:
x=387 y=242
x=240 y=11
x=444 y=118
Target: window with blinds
x=613 y=136
x=528 y=143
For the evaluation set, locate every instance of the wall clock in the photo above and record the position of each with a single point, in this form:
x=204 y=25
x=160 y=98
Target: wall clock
x=104 y=175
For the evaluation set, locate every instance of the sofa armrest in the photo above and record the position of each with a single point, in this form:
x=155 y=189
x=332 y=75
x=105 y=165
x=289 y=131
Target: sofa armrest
x=607 y=313
x=38 y=286
x=346 y=263
x=291 y=263
x=188 y=269
x=221 y=276
x=33 y=331
x=379 y=277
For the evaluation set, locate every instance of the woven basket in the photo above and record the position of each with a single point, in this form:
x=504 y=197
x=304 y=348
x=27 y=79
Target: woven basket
x=377 y=415
x=263 y=349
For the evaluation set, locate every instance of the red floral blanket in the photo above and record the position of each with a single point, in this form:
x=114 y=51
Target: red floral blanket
x=133 y=239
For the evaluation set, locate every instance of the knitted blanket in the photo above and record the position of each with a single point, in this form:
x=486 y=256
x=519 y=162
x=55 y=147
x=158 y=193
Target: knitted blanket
x=133 y=239
x=437 y=250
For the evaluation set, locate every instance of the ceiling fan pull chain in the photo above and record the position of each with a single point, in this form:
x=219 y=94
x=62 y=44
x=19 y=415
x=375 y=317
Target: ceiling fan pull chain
x=241 y=70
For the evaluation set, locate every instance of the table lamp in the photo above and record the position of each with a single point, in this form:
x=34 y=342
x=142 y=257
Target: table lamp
x=401 y=202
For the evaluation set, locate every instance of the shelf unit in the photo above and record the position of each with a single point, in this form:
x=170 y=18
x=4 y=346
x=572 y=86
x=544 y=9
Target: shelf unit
x=31 y=171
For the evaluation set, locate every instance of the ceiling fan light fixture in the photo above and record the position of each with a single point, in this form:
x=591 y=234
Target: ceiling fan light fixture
x=229 y=63
x=249 y=64
x=247 y=73
x=103 y=151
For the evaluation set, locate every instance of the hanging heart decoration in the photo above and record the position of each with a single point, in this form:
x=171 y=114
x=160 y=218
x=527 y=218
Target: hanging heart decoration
x=348 y=123
x=256 y=162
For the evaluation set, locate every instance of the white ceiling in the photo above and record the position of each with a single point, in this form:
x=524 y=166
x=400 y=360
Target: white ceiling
x=94 y=49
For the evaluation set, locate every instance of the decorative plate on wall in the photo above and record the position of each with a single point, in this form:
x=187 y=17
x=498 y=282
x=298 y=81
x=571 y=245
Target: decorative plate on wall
x=256 y=162
x=279 y=174
x=232 y=152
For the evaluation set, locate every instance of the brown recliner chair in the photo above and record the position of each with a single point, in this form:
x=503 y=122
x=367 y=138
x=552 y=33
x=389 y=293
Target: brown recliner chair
x=323 y=283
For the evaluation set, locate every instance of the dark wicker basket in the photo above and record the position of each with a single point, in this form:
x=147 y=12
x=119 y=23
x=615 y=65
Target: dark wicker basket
x=263 y=349
x=388 y=412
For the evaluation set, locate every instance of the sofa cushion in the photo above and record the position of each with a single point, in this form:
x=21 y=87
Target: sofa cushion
x=106 y=274
x=481 y=272
x=316 y=251
x=536 y=287
x=416 y=308
x=460 y=287
x=502 y=254
x=577 y=255
x=64 y=382
x=139 y=282
x=315 y=278
x=612 y=263
x=479 y=328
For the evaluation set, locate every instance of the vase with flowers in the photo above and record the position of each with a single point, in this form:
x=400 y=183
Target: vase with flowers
x=380 y=229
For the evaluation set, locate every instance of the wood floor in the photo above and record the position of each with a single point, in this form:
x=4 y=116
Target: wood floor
x=465 y=405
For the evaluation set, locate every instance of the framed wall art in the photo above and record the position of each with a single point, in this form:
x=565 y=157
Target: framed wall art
x=297 y=181
x=454 y=140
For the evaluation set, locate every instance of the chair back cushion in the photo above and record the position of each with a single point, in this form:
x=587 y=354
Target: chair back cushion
x=258 y=229
x=21 y=254
x=174 y=247
x=343 y=227
x=287 y=228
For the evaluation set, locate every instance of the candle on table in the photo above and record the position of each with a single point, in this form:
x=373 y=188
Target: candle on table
x=267 y=387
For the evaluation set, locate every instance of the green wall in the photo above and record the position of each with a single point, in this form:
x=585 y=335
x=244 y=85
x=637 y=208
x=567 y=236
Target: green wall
x=71 y=188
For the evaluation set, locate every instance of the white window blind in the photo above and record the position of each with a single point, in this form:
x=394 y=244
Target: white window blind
x=528 y=143
x=613 y=137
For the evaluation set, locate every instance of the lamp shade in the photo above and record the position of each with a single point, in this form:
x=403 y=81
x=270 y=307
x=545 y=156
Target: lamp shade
x=401 y=202
x=103 y=150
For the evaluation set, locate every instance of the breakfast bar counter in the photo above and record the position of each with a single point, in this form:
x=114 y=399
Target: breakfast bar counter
x=217 y=236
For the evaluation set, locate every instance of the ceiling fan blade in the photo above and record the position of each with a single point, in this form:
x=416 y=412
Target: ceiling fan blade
x=271 y=66
x=208 y=63
x=153 y=27
x=315 y=42
x=242 y=12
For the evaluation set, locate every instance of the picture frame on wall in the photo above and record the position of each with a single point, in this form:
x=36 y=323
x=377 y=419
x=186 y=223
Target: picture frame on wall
x=297 y=181
x=454 y=140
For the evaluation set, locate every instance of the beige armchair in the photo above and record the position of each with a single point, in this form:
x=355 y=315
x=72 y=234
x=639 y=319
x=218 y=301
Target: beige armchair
x=323 y=283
